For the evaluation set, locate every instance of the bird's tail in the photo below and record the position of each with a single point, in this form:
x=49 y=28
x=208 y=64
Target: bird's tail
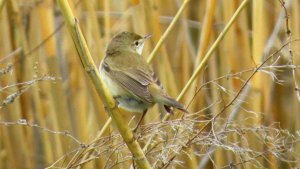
x=162 y=98
x=169 y=102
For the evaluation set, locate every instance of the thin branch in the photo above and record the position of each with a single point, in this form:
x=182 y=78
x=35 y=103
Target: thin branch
x=24 y=122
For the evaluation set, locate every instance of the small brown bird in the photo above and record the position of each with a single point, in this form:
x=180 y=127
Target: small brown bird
x=130 y=79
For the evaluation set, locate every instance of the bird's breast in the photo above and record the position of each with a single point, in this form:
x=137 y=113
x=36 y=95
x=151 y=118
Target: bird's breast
x=114 y=88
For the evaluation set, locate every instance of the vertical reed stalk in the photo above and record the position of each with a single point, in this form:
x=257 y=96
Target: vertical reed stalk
x=89 y=66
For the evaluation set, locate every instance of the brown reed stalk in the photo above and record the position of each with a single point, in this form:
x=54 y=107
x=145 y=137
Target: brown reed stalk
x=57 y=109
x=14 y=134
x=260 y=84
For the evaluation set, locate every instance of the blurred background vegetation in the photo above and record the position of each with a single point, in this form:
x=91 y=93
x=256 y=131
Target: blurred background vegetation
x=244 y=114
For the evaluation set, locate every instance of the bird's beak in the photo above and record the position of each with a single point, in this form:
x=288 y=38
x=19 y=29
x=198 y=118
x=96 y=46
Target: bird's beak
x=147 y=36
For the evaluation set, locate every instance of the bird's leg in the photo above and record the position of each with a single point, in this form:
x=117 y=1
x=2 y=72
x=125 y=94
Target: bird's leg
x=140 y=121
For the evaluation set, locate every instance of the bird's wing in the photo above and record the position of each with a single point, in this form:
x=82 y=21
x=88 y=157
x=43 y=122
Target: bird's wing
x=134 y=80
x=143 y=84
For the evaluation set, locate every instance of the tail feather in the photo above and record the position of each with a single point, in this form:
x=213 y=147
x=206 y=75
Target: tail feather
x=170 y=102
x=160 y=97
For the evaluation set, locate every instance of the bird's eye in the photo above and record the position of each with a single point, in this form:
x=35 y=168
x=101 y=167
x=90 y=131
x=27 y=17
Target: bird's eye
x=136 y=43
